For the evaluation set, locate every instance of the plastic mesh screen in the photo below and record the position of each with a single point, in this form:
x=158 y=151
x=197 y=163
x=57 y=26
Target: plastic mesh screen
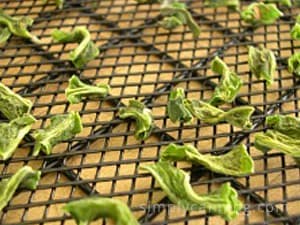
x=140 y=60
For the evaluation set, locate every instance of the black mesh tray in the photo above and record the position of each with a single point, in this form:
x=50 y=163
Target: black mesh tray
x=141 y=60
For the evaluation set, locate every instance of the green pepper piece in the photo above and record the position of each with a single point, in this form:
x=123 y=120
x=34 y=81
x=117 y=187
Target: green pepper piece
x=84 y=52
x=176 y=107
x=78 y=90
x=262 y=63
x=142 y=116
x=12 y=133
x=25 y=177
x=176 y=184
x=13 y=105
x=90 y=209
x=260 y=13
x=237 y=162
x=17 y=26
x=229 y=86
x=61 y=128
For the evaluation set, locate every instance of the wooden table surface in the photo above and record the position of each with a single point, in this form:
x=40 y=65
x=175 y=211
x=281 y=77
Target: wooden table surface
x=136 y=68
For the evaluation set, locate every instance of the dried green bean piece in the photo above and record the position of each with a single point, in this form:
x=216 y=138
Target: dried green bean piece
x=283 y=135
x=17 y=26
x=77 y=90
x=4 y=34
x=142 y=116
x=262 y=63
x=231 y=4
x=294 y=64
x=176 y=184
x=84 y=52
x=229 y=86
x=176 y=14
x=13 y=105
x=238 y=116
x=236 y=162
x=87 y=210
x=61 y=128
x=25 y=177
x=176 y=107
x=260 y=13
x=295 y=32
x=12 y=133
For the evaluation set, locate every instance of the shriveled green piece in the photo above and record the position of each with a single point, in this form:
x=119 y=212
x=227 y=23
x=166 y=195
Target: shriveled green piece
x=25 y=177
x=262 y=63
x=237 y=162
x=4 y=34
x=176 y=107
x=295 y=32
x=229 y=86
x=176 y=184
x=259 y=13
x=176 y=14
x=231 y=4
x=285 y=124
x=77 y=90
x=238 y=116
x=273 y=139
x=13 y=105
x=12 y=133
x=59 y=3
x=61 y=128
x=142 y=116
x=87 y=210
x=17 y=26
x=294 y=64
x=84 y=52
x=281 y=2
x=283 y=135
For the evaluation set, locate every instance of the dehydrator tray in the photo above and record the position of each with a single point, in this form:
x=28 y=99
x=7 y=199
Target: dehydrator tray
x=140 y=60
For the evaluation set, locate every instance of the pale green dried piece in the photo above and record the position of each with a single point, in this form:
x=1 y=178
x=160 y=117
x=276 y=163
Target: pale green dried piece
x=17 y=26
x=12 y=133
x=61 y=128
x=142 y=116
x=87 y=210
x=236 y=162
x=295 y=32
x=294 y=64
x=4 y=34
x=84 y=52
x=283 y=135
x=229 y=85
x=262 y=63
x=77 y=90
x=176 y=184
x=176 y=107
x=25 y=177
x=238 y=116
x=260 y=13
x=176 y=14
x=13 y=105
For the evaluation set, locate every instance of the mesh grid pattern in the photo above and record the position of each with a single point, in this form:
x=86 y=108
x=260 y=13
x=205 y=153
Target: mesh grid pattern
x=140 y=60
